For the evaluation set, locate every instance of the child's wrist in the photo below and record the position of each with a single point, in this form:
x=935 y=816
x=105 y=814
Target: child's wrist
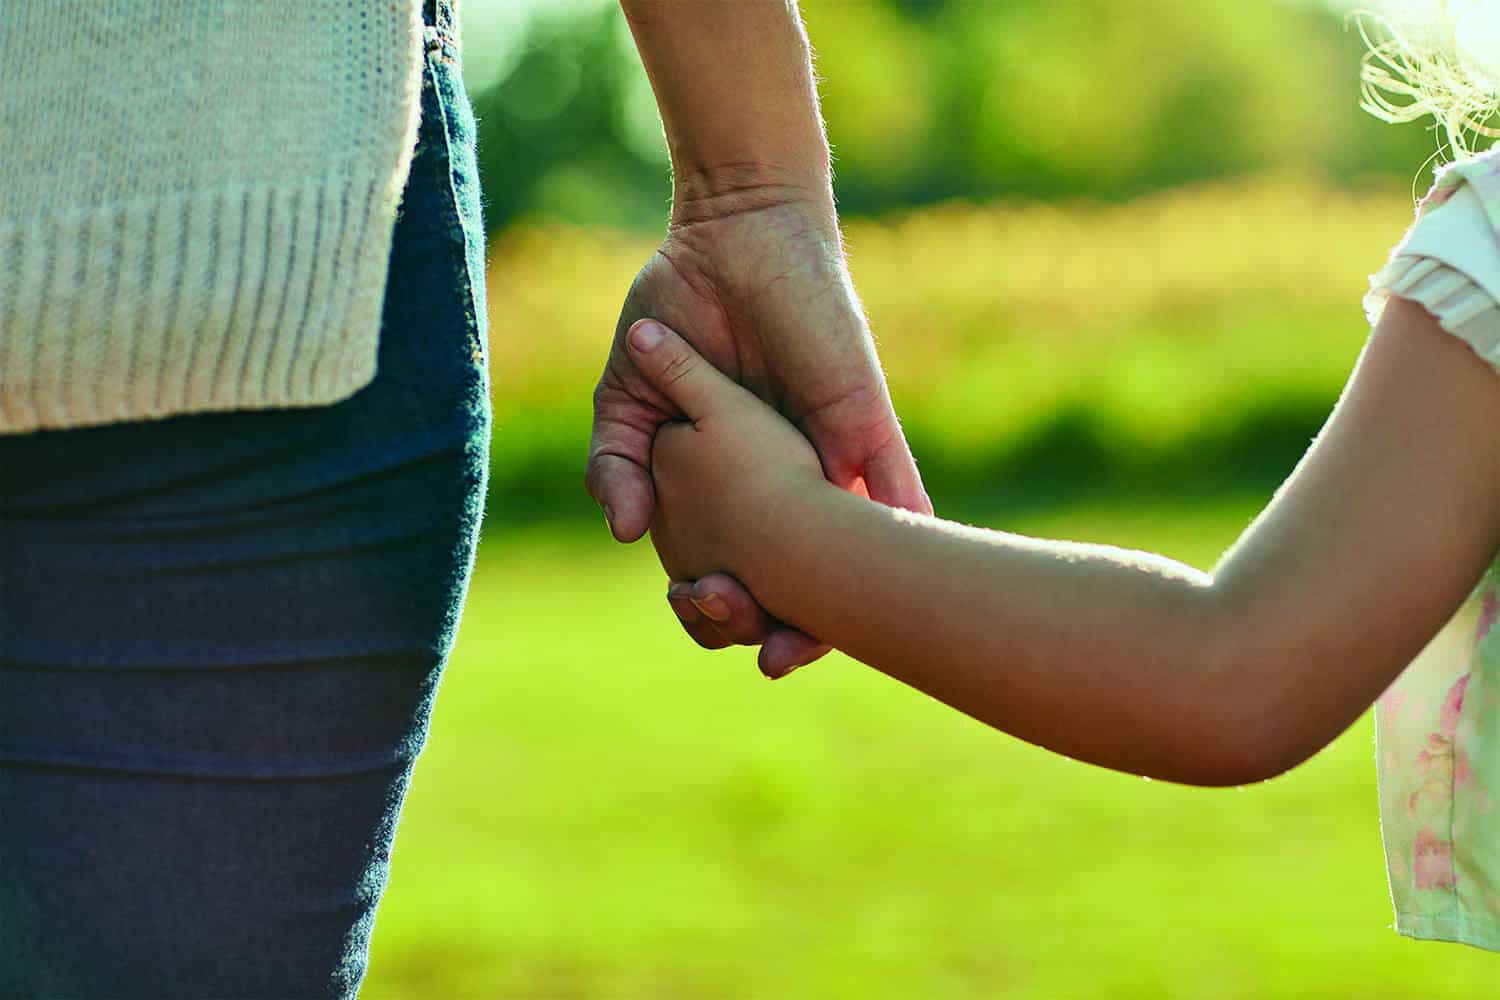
x=770 y=540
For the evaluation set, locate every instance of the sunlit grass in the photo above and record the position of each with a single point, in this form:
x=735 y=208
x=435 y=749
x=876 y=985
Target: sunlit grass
x=606 y=811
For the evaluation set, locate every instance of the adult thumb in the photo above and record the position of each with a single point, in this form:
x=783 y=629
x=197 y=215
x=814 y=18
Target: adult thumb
x=677 y=371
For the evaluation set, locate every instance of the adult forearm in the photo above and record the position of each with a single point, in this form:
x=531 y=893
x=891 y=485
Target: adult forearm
x=1098 y=653
x=734 y=82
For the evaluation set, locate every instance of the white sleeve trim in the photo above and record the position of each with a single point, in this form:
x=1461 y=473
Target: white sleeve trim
x=1462 y=307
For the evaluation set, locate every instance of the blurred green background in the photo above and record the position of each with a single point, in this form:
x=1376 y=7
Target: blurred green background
x=1114 y=255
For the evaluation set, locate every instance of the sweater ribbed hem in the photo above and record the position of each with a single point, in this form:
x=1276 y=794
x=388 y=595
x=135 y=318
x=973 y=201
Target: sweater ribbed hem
x=246 y=296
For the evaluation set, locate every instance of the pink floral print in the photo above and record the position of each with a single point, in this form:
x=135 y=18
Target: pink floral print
x=1441 y=761
x=1445 y=768
x=1489 y=610
x=1432 y=861
x=1433 y=801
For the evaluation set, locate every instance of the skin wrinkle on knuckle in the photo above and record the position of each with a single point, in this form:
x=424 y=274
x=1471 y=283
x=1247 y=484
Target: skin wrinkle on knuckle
x=871 y=416
x=892 y=450
x=618 y=406
x=604 y=394
x=624 y=429
x=678 y=368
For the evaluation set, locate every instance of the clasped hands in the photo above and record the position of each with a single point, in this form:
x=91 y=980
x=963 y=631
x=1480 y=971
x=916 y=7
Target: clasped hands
x=763 y=377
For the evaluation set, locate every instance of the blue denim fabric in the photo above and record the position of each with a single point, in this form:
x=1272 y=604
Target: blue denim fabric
x=221 y=636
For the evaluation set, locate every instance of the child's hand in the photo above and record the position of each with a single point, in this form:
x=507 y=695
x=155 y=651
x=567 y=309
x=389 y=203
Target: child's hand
x=721 y=473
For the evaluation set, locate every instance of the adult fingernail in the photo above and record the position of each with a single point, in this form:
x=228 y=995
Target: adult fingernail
x=713 y=606
x=678 y=589
x=647 y=335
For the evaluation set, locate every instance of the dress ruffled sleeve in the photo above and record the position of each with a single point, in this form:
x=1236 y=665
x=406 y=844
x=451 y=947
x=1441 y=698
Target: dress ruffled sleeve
x=1449 y=262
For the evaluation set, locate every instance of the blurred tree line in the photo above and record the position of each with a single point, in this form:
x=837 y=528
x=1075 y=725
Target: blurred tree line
x=928 y=100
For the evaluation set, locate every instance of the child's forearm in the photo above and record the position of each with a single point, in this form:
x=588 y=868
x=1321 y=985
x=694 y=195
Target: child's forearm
x=1097 y=653
x=1120 y=658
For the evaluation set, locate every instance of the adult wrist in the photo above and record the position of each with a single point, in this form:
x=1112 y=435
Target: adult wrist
x=706 y=193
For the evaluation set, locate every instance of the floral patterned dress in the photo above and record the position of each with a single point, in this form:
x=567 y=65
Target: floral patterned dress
x=1437 y=727
x=1438 y=769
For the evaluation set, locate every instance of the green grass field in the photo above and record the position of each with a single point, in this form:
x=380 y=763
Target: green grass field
x=604 y=810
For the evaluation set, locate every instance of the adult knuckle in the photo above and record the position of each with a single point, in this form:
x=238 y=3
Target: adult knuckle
x=863 y=404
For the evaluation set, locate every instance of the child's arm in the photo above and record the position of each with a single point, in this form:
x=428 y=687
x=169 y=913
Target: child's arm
x=1120 y=658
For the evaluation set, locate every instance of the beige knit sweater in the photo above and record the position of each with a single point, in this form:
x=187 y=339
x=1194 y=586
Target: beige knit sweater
x=197 y=199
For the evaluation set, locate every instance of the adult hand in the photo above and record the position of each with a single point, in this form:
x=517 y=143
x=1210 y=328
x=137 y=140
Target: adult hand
x=755 y=280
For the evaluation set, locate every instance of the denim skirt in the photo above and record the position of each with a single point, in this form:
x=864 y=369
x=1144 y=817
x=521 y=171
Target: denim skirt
x=221 y=636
